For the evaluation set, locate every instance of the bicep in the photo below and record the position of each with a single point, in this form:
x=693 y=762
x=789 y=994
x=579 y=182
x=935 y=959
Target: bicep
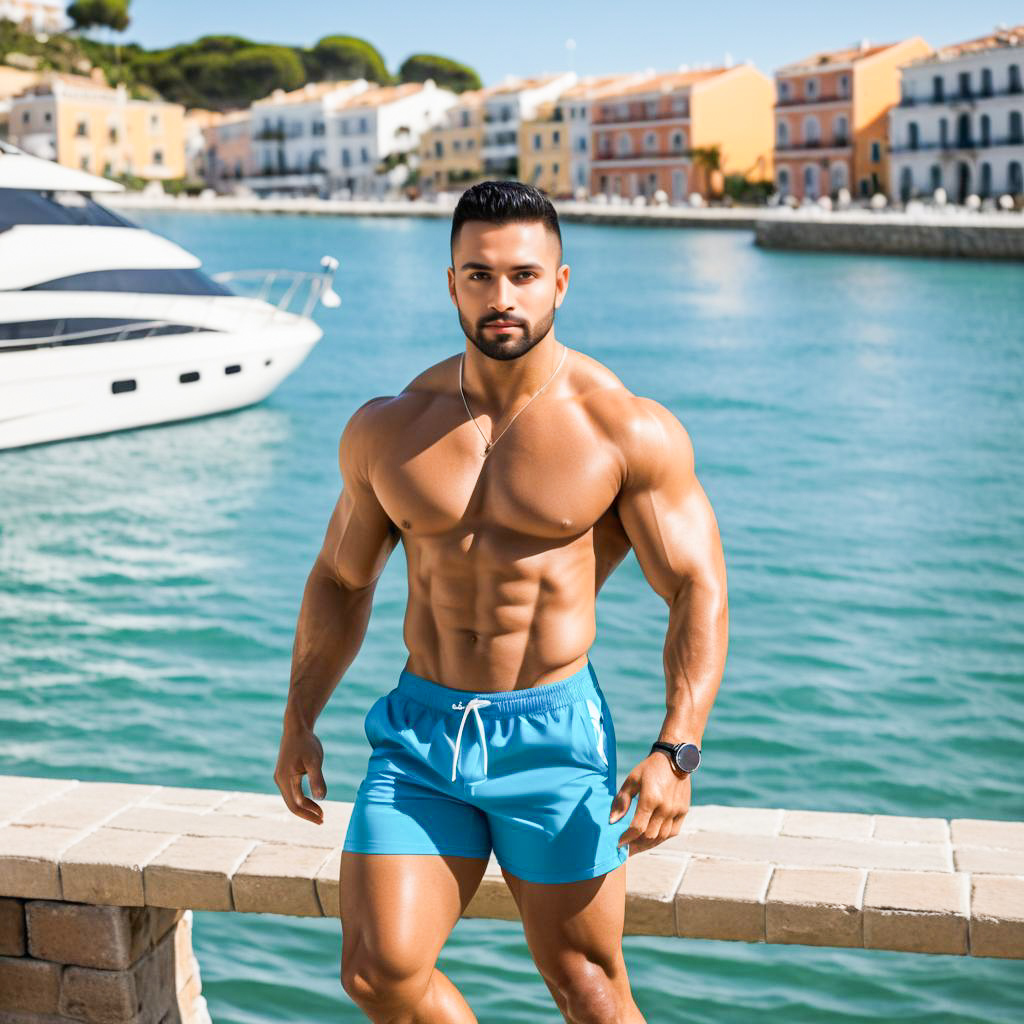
x=664 y=510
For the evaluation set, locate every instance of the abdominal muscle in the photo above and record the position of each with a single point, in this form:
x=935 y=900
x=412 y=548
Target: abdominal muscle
x=482 y=619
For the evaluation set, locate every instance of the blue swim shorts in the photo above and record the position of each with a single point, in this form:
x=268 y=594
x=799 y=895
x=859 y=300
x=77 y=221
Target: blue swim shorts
x=528 y=773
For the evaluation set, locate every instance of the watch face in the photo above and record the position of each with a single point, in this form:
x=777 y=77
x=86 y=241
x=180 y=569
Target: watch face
x=688 y=757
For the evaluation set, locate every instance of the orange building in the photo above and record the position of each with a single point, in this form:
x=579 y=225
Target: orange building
x=831 y=118
x=642 y=133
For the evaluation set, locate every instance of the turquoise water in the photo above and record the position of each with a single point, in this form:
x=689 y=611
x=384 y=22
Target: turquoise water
x=857 y=424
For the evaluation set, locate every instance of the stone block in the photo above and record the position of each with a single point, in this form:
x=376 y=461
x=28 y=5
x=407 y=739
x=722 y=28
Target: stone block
x=1005 y=835
x=985 y=860
x=651 y=884
x=12 y=927
x=827 y=824
x=751 y=821
x=29 y=855
x=997 y=916
x=722 y=899
x=106 y=866
x=916 y=911
x=183 y=795
x=279 y=879
x=28 y=985
x=72 y=812
x=815 y=906
x=195 y=872
x=327 y=880
x=902 y=829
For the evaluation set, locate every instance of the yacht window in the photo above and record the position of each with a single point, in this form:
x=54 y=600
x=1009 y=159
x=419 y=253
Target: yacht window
x=161 y=281
x=28 y=206
x=20 y=335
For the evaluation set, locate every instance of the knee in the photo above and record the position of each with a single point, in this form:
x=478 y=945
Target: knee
x=384 y=983
x=593 y=991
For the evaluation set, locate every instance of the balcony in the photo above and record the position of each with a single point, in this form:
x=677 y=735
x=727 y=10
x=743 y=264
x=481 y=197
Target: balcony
x=838 y=142
x=962 y=146
x=956 y=97
x=804 y=101
x=641 y=155
x=636 y=117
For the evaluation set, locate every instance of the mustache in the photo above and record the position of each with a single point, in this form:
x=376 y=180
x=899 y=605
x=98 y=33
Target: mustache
x=503 y=319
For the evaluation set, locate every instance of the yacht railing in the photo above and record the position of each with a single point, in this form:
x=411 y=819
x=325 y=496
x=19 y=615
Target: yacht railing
x=290 y=284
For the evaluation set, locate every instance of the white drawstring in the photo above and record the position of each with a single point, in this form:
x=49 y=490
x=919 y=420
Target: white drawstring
x=474 y=703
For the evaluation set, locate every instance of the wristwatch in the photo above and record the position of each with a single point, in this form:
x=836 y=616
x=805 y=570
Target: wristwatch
x=685 y=757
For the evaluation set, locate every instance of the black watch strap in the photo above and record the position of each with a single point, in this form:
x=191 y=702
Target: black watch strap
x=670 y=750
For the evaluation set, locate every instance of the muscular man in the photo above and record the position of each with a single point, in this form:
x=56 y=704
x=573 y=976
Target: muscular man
x=517 y=474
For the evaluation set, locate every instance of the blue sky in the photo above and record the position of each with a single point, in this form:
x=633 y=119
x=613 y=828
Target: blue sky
x=529 y=36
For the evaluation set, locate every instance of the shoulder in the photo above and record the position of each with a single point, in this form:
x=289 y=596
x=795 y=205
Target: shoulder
x=650 y=440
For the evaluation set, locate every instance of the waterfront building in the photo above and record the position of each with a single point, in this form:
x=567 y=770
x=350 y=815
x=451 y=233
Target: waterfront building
x=289 y=145
x=960 y=121
x=643 y=132
x=36 y=15
x=510 y=104
x=451 y=154
x=376 y=136
x=831 y=118
x=226 y=158
x=82 y=122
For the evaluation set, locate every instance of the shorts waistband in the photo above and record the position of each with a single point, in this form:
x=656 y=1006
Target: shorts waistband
x=582 y=683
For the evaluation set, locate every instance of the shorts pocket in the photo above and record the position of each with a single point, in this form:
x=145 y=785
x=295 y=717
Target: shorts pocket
x=593 y=716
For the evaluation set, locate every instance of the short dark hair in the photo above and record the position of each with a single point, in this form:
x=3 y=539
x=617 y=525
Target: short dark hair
x=505 y=202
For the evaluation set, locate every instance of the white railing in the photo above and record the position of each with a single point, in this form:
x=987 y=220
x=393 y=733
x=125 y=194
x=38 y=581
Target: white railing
x=315 y=285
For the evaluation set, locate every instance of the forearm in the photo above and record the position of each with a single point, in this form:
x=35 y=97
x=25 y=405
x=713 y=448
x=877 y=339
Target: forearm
x=331 y=625
x=694 y=657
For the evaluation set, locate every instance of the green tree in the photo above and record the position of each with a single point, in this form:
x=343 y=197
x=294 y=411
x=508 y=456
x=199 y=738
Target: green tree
x=346 y=57
x=447 y=73
x=106 y=13
x=707 y=160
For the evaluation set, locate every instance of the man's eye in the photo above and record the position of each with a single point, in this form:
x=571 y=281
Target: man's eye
x=474 y=275
x=528 y=273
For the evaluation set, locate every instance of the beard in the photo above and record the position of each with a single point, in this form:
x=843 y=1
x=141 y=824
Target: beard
x=510 y=343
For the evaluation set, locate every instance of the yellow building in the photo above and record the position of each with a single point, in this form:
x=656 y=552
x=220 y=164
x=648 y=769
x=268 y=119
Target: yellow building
x=82 y=122
x=451 y=153
x=544 y=151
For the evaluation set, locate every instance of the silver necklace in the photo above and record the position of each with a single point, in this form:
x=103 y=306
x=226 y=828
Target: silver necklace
x=488 y=445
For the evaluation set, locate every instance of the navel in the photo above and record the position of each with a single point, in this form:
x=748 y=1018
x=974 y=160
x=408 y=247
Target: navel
x=406 y=524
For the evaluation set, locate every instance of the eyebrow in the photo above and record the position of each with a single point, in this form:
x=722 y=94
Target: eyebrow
x=485 y=266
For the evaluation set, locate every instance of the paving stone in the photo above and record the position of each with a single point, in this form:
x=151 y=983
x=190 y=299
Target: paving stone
x=815 y=906
x=171 y=795
x=997 y=916
x=106 y=866
x=900 y=828
x=12 y=927
x=29 y=787
x=916 y=911
x=29 y=857
x=72 y=812
x=751 y=821
x=279 y=879
x=195 y=872
x=802 y=851
x=988 y=861
x=722 y=899
x=29 y=985
x=827 y=824
x=256 y=805
x=1007 y=835
x=327 y=881
x=651 y=884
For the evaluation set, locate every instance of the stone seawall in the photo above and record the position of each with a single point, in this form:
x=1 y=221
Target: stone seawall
x=97 y=881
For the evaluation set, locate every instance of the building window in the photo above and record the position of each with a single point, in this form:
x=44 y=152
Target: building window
x=783 y=133
x=943 y=133
x=677 y=142
x=112 y=133
x=554 y=168
x=812 y=133
x=364 y=154
x=876 y=152
x=26 y=116
x=556 y=138
x=811 y=181
x=913 y=136
x=783 y=181
x=346 y=158
x=938 y=90
x=841 y=129
x=811 y=88
x=986 y=82
x=438 y=148
x=965 y=84
x=985 y=183
x=536 y=142
x=318 y=128
x=625 y=144
x=82 y=128
x=783 y=90
x=935 y=177
x=906 y=184
x=1015 y=177
x=158 y=157
x=364 y=125
x=84 y=162
x=1014 y=85
x=985 y=126
x=154 y=123
x=1016 y=128
x=963 y=131
x=844 y=85
x=651 y=142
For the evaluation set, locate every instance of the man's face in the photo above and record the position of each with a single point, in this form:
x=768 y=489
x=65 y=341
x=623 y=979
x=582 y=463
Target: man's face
x=506 y=283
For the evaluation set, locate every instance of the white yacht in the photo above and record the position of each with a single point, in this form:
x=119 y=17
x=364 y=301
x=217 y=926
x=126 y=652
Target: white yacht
x=106 y=326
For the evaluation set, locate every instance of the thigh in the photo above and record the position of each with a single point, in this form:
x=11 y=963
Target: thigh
x=574 y=932
x=397 y=910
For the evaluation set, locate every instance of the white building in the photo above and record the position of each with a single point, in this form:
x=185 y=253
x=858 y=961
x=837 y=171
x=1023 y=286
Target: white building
x=289 y=139
x=37 y=15
x=514 y=101
x=375 y=136
x=960 y=123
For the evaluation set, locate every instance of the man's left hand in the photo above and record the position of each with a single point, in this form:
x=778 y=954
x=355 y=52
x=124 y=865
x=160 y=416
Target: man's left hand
x=663 y=799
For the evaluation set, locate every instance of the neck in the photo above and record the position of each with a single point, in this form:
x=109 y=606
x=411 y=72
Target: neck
x=502 y=383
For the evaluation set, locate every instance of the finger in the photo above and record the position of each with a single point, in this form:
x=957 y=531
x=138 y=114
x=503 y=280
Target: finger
x=303 y=806
x=638 y=826
x=623 y=799
x=317 y=786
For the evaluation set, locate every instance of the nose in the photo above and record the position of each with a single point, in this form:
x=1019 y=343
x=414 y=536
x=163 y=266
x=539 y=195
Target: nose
x=500 y=297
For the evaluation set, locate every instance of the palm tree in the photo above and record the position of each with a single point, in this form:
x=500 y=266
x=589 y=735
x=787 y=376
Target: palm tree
x=708 y=160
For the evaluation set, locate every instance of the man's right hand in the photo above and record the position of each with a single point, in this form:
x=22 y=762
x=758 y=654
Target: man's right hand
x=301 y=754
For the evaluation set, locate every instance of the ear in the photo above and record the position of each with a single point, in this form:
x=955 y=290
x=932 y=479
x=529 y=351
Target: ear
x=561 y=283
